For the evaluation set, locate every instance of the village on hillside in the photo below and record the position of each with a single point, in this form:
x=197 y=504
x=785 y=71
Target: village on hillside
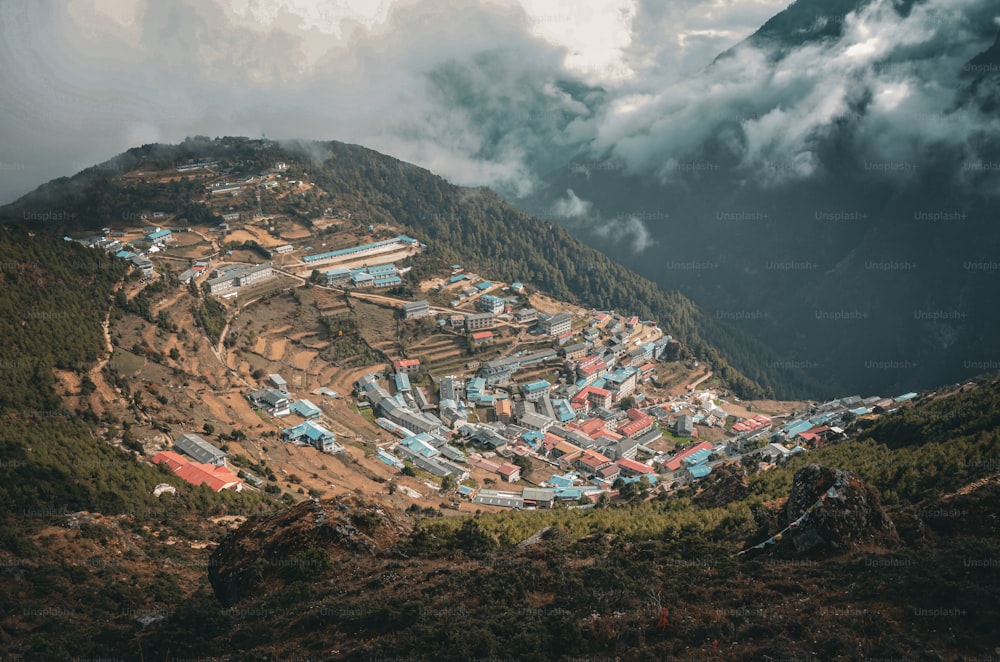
x=456 y=387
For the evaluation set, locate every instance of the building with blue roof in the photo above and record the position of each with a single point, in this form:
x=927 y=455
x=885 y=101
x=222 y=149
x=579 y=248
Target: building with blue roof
x=905 y=396
x=310 y=433
x=485 y=285
x=566 y=480
x=796 y=427
x=402 y=382
x=533 y=438
x=358 y=251
x=389 y=458
x=361 y=279
x=535 y=391
x=381 y=269
x=564 y=410
x=699 y=471
x=159 y=236
x=474 y=388
x=305 y=408
x=649 y=477
x=337 y=276
x=420 y=446
x=698 y=457
x=492 y=304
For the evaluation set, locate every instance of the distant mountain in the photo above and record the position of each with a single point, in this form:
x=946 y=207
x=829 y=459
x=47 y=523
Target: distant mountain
x=832 y=195
x=802 y=22
x=471 y=226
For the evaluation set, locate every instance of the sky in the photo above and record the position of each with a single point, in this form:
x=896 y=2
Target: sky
x=428 y=81
x=487 y=92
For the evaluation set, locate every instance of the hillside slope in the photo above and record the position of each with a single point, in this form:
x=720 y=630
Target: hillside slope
x=666 y=579
x=473 y=226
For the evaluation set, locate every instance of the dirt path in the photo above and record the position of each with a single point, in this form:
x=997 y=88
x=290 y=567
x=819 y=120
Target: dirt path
x=707 y=375
x=104 y=393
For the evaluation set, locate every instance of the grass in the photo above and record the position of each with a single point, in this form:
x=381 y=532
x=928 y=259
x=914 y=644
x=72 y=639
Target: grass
x=125 y=362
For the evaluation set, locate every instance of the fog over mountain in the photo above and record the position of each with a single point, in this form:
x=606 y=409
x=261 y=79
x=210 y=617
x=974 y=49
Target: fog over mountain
x=826 y=174
x=484 y=92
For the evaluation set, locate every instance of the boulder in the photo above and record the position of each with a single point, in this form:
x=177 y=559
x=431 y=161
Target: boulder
x=307 y=540
x=851 y=514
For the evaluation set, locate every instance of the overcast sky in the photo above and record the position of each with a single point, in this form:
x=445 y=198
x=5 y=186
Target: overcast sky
x=82 y=80
x=475 y=90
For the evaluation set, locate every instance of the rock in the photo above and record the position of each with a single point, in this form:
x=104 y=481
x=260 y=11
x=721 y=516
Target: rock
x=723 y=486
x=851 y=514
x=265 y=553
x=164 y=488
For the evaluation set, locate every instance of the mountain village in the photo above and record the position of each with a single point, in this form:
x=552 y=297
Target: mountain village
x=546 y=404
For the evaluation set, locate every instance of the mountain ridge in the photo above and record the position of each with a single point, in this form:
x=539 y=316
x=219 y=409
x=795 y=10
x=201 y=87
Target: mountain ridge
x=424 y=204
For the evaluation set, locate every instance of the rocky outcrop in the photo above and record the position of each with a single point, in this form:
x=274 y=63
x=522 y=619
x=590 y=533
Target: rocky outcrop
x=850 y=514
x=725 y=485
x=304 y=540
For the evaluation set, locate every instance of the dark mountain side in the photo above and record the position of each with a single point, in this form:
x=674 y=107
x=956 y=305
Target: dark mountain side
x=802 y=22
x=89 y=555
x=863 y=275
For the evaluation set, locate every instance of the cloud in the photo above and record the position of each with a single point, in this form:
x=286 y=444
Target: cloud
x=490 y=92
x=579 y=214
x=629 y=230
x=571 y=207
x=888 y=85
x=466 y=89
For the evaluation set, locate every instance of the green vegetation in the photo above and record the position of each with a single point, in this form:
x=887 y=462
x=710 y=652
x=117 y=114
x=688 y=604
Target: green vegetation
x=915 y=455
x=53 y=296
x=211 y=315
x=52 y=304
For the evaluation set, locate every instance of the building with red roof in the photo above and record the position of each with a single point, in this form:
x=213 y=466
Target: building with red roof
x=590 y=396
x=633 y=467
x=406 y=365
x=639 y=425
x=592 y=461
x=509 y=472
x=196 y=473
x=482 y=337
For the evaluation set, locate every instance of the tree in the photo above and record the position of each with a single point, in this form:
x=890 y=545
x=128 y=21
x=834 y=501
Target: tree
x=523 y=462
x=208 y=428
x=448 y=483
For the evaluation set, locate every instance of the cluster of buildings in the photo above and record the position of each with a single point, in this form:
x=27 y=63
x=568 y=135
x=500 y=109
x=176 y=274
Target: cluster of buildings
x=422 y=435
x=575 y=426
x=153 y=240
x=578 y=428
x=276 y=401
